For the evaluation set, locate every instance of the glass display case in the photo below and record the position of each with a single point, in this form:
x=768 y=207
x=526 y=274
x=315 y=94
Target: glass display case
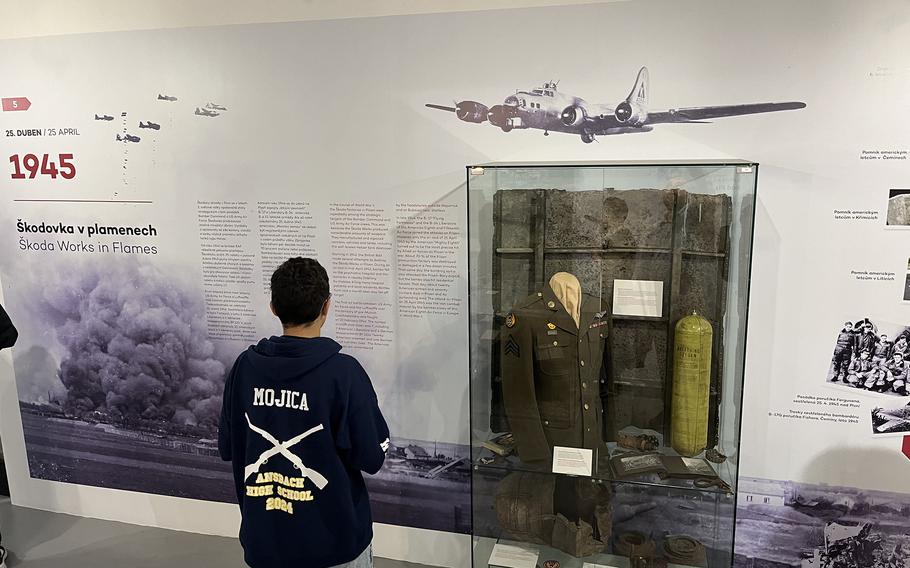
x=608 y=307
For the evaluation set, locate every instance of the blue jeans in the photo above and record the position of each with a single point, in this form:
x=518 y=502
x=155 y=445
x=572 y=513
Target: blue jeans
x=365 y=560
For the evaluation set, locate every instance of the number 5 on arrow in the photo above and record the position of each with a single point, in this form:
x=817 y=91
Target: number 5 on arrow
x=16 y=103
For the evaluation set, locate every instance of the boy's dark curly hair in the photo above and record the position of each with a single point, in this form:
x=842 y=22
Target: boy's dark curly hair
x=300 y=287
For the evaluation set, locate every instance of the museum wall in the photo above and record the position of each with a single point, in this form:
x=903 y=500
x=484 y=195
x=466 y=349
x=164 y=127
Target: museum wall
x=58 y=17
x=161 y=158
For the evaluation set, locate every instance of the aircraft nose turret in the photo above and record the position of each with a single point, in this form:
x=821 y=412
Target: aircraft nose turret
x=511 y=101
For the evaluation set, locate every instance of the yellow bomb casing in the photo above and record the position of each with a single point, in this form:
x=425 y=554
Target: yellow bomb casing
x=692 y=343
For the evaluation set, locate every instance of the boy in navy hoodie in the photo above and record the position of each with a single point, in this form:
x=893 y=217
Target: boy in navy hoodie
x=300 y=422
x=8 y=337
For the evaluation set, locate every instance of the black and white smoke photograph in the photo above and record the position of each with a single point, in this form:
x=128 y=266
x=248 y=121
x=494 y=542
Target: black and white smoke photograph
x=784 y=523
x=872 y=356
x=891 y=421
x=898 y=208
x=123 y=390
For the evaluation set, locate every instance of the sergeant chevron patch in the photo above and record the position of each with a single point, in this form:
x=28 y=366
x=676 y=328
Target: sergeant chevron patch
x=512 y=347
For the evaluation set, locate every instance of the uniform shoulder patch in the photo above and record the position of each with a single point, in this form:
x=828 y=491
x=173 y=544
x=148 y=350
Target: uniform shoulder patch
x=511 y=320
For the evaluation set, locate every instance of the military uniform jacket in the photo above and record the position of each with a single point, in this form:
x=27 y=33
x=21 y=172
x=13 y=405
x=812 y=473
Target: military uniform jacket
x=861 y=366
x=867 y=342
x=897 y=370
x=553 y=373
x=846 y=340
x=883 y=349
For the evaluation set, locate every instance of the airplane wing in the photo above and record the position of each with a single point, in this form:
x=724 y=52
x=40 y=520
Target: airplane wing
x=890 y=424
x=698 y=114
x=441 y=107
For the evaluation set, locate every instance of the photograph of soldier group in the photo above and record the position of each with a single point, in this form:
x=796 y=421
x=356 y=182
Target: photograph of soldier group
x=865 y=358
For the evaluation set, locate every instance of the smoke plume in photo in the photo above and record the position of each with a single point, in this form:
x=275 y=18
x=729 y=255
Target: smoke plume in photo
x=37 y=377
x=134 y=342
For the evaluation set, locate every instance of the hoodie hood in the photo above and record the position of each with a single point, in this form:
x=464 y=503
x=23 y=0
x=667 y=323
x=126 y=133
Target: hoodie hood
x=287 y=358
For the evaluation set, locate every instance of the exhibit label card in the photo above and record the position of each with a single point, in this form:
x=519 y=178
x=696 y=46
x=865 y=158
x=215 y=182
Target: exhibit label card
x=573 y=461
x=511 y=556
x=638 y=298
x=589 y=565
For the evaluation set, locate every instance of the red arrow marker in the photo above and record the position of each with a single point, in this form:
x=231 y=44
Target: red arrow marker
x=17 y=103
x=906 y=447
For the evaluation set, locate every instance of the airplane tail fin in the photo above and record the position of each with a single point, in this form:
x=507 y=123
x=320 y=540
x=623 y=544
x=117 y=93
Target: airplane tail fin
x=639 y=93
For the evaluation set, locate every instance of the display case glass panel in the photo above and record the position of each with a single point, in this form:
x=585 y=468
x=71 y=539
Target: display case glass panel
x=608 y=309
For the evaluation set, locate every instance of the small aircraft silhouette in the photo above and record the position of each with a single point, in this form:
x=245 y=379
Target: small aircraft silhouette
x=213 y=106
x=206 y=112
x=545 y=108
x=166 y=98
x=150 y=124
x=128 y=138
x=104 y=117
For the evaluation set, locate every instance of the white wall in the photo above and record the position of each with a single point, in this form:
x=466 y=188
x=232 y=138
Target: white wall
x=59 y=17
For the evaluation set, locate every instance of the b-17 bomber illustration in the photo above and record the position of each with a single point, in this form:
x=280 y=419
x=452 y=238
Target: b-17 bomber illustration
x=128 y=138
x=213 y=106
x=206 y=112
x=166 y=98
x=149 y=124
x=104 y=117
x=547 y=109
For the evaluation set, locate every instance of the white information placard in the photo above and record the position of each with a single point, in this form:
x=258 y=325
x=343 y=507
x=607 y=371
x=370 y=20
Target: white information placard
x=638 y=298
x=512 y=556
x=573 y=461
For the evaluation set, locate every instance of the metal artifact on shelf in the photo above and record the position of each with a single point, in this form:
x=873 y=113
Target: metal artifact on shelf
x=691 y=384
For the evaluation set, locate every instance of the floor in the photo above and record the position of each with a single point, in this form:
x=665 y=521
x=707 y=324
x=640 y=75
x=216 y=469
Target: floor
x=38 y=539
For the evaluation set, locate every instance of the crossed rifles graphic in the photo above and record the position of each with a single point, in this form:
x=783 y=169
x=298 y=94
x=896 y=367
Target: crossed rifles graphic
x=283 y=448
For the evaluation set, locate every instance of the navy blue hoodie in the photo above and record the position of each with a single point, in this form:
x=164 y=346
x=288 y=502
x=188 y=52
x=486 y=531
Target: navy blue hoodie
x=300 y=421
x=8 y=333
